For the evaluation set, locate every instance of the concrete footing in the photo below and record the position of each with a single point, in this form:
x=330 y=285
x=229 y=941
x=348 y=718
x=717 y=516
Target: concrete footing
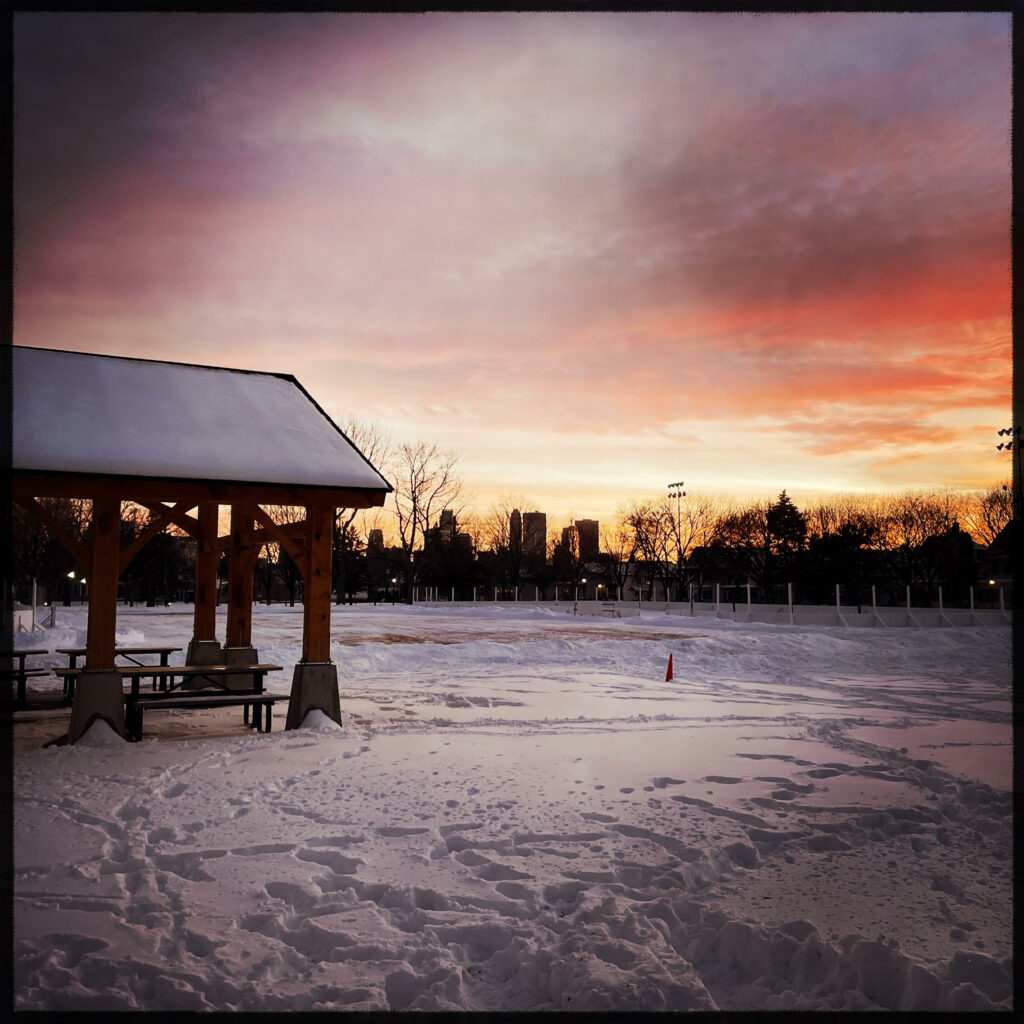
x=98 y=694
x=204 y=652
x=314 y=686
x=239 y=656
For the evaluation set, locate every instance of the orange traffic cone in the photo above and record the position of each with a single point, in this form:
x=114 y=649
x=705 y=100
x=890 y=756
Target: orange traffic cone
x=668 y=673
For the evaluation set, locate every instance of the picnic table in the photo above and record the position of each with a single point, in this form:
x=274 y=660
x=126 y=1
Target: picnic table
x=73 y=654
x=166 y=695
x=19 y=675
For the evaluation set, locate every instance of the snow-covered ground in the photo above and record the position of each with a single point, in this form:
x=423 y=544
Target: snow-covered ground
x=520 y=813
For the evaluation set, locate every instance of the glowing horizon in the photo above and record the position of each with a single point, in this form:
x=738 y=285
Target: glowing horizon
x=591 y=253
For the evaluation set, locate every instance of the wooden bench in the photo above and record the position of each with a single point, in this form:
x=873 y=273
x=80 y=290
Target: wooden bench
x=20 y=675
x=262 y=704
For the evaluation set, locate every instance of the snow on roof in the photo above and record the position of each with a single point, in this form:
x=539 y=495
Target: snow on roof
x=77 y=412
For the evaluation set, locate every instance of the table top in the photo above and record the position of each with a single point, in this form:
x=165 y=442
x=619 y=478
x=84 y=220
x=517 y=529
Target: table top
x=121 y=650
x=22 y=653
x=173 y=670
x=192 y=670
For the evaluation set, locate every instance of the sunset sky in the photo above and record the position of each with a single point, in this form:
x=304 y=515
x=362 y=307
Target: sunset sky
x=593 y=253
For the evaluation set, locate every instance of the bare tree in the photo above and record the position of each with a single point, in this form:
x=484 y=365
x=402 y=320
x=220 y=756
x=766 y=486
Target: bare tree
x=425 y=485
x=653 y=527
x=36 y=550
x=907 y=521
x=379 y=447
x=744 y=546
x=619 y=545
x=502 y=535
x=278 y=563
x=828 y=516
x=497 y=522
x=986 y=513
x=476 y=527
x=694 y=525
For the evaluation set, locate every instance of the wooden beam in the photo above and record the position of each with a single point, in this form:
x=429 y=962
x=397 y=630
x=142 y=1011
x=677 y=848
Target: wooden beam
x=316 y=598
x=104 y=571
x=261 y=537
x=78 y=550
x=176 y=514
x=279 y=533
x=144 y=489
x=207 y=559
x=240 y=583
x=164 y=519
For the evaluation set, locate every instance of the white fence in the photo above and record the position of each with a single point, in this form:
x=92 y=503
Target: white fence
x=775 y=614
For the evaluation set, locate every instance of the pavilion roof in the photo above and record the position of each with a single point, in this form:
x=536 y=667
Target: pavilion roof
x=112 y=416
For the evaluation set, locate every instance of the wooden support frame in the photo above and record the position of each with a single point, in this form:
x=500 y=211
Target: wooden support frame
x=78 y=551
x=165 y=517
x=204 y=623
x=104 y=572
x=175 y=514
x=309 y=543
x=316 y=599
x=241 y=563
x=275 y=533
x=145 y=489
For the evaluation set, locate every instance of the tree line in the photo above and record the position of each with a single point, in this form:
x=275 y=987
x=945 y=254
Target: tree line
x=428 y=536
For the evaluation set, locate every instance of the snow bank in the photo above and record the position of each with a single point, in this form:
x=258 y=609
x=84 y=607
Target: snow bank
x=317 y=721
x=525 y=816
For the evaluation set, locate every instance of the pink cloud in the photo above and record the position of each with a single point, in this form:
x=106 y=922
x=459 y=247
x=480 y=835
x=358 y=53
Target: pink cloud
x=574 y=221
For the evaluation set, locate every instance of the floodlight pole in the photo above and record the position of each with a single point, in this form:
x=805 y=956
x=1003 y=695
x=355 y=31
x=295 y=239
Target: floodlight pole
x=676 y=491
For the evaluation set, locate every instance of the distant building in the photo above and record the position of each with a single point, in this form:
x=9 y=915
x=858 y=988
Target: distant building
x=515 y=535
x=589 y=536
x=446 y=526
x=535 y=535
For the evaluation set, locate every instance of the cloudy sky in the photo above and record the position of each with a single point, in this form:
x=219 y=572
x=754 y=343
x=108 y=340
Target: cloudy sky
x=593 y=253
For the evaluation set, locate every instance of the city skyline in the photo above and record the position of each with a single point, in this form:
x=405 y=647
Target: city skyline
x=591 y=253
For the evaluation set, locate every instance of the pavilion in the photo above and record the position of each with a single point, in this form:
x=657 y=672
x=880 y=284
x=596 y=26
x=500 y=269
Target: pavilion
x=182 y=440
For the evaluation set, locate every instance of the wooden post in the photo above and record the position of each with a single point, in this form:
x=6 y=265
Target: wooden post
x=104 y=571
x=240 y=586
x=98 y=692
x=315 y=681
x=316 y=601
x=207 y=557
